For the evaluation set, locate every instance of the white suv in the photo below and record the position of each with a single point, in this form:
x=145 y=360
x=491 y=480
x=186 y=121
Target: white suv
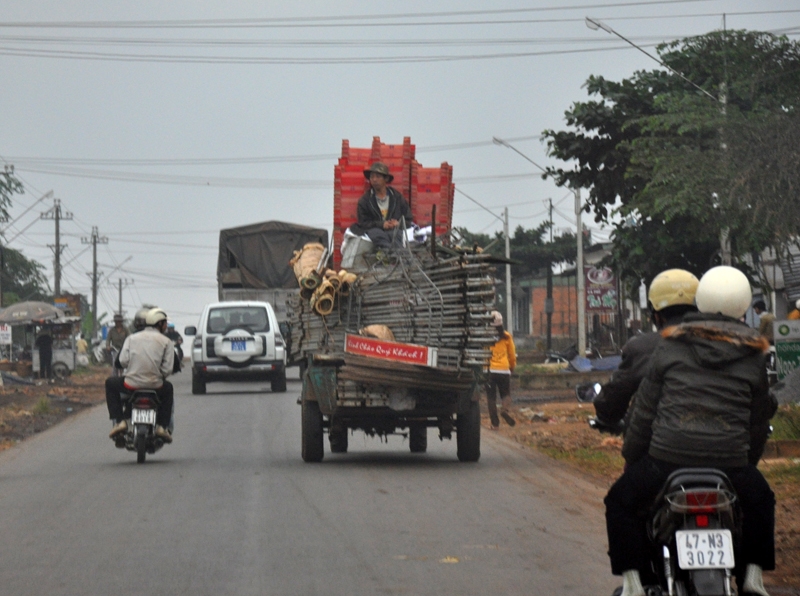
x=237 y=341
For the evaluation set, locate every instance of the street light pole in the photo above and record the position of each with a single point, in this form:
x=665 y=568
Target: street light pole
x=581 y=286
x=509 y=320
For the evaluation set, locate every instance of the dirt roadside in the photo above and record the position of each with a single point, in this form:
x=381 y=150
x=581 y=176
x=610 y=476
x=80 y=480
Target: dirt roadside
x=555 y=428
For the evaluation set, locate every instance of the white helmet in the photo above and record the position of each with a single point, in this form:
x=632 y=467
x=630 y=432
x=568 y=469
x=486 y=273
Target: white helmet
x=724 y=290
x=155 y=316
x=797 y=304
x=139 y=321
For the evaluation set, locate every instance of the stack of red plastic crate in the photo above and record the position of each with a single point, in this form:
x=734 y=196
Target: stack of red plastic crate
x=421 y=187
x=429 y=187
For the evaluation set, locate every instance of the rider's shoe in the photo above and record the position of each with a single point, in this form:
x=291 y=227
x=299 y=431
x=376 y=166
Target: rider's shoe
x=119 y=428
x=163 y=434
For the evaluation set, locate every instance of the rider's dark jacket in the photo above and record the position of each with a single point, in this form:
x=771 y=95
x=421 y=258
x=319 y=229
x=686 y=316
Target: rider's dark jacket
x=369 y=214
x=705 y=400
x=612 y=403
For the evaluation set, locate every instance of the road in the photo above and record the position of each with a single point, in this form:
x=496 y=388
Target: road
x=230 y=508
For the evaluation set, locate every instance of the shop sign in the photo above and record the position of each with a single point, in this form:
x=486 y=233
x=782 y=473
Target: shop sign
x=787 y=346
x=601 y=289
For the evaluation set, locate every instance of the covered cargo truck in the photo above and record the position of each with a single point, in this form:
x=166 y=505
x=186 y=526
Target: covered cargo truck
x=254 y=260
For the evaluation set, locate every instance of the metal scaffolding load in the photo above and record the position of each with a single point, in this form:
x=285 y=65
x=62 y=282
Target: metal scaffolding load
x=442 y=301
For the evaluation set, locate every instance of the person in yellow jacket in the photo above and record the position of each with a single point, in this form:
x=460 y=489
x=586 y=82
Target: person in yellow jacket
x=501 y=365
x=795 y=314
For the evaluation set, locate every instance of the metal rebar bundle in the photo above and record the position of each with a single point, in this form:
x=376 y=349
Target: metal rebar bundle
x=426 y=300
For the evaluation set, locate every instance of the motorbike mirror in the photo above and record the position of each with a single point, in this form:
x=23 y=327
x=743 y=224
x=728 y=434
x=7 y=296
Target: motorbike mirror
x=587 y=392
x=191 y=330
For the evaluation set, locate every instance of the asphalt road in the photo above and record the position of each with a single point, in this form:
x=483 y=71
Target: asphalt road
x=230 y=508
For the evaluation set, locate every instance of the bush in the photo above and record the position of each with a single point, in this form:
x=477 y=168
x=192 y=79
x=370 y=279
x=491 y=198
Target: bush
x=42 y=406
x=786 y=422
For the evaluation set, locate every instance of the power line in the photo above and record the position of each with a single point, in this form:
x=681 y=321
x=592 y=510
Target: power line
x=359 y=20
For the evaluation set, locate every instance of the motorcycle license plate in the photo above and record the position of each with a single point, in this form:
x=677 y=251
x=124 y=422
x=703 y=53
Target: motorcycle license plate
x=239 y=345
x=143 y=416
x=704 y=549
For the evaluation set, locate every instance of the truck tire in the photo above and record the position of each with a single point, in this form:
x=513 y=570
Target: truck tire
x=198 y=384
x=418 y=439
x=312 y=432
x=468 y=433
x=278 y=385
x=338 y=440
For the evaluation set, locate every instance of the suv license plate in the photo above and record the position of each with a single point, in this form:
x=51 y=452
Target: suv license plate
x=143 y=416
x=239 y=345
x=704 y=549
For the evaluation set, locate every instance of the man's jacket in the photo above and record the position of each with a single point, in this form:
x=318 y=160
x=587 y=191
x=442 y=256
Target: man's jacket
x=369 y=214
x=148 y=357
x=705 y=400
x=613 y=401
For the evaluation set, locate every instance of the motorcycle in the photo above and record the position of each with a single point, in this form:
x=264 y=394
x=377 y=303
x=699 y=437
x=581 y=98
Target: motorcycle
x=140 y=407
x=694 y=526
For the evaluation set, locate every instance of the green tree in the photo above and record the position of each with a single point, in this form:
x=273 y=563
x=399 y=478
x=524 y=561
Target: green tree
x=22 y=278
x=673 y=168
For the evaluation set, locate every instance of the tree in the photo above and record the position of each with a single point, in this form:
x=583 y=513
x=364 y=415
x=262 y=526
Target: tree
x=529 y=249
x=22 y=278
x=672 y=168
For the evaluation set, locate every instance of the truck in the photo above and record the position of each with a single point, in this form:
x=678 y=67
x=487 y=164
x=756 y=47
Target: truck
x=396 y=344
x=253 y=263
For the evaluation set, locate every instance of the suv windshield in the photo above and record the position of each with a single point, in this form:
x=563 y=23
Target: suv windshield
x=253 y=318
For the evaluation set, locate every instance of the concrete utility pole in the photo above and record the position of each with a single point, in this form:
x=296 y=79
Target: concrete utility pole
x=56 y=214
x=509 y=320
x=121 y=283
x=548 y=303
x=94 y=240
x=581 y=280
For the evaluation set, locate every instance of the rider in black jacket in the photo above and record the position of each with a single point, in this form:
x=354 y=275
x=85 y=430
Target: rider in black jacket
x=704 y=402
x=671 y=296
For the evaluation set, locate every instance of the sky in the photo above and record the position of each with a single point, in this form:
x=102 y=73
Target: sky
x=160 y=123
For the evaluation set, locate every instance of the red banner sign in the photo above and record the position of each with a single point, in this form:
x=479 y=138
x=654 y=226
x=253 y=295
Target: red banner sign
x=389 y=350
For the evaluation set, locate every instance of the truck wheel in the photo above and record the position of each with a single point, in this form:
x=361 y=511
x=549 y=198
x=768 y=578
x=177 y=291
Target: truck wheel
x=468 y=433
x=279 y=385
x=312 y=432
x=198 y=385
x=60 y=370
x=338 y=440
x=418 y=439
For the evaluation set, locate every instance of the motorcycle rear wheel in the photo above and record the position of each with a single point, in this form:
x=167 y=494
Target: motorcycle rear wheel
x=141 y=448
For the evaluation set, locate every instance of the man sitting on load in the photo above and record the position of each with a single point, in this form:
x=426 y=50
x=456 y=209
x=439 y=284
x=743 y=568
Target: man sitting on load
x=381 y=210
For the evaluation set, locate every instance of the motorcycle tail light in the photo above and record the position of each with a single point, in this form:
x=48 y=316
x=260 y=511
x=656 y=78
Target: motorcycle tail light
x=701 y=521
x=144 y=402
x=701 y=502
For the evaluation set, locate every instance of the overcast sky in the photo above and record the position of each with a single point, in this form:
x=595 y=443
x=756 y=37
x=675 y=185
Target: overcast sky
x=163 y=122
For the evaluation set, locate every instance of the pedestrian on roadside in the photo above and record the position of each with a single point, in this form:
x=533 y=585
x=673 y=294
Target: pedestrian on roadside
x=766 y=319
x=795 y=314
x=44 y=343
x=501 y=365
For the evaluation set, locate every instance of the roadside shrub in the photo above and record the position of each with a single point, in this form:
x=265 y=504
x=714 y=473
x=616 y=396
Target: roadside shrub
x=786 y=422
x=42 y=406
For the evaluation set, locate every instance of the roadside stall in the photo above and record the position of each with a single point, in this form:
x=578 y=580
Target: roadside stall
x=33 y=319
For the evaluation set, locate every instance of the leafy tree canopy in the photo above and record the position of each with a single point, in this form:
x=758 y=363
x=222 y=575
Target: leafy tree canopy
x=677 y=167
x=531 y=250
x=22 y=278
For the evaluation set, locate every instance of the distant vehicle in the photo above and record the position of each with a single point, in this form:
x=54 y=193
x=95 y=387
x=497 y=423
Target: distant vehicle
x=237 y=342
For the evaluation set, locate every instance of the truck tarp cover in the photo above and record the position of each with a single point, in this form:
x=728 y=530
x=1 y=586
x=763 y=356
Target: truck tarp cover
x=257 y=255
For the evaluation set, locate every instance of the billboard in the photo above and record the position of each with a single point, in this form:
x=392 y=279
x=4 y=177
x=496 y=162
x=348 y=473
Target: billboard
x=601 y=289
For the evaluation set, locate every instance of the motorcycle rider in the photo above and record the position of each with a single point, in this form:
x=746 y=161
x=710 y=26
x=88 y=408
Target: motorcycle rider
x=671 y=296
x=139 y=319
x=704 y=402
x=148 y=359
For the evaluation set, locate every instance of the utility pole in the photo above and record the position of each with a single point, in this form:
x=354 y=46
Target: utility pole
x=121 y=282
x=56 y=214
x=509 y=320
x=94 y=240
x=581 y=279
x=548 y=303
